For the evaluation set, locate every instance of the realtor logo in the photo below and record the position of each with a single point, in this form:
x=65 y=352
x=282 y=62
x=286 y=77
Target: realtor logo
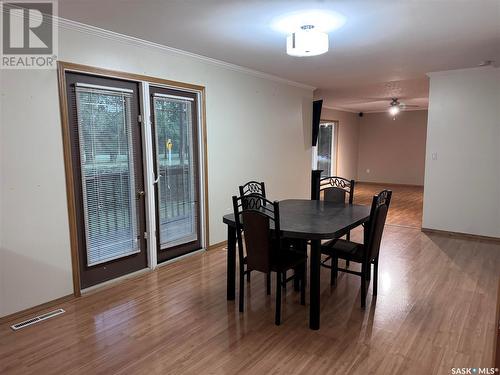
x=29 y=34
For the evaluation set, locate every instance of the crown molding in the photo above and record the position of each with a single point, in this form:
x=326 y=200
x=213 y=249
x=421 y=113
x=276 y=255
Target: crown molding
x=111 y=35
x=463 y=70
x=340 y=109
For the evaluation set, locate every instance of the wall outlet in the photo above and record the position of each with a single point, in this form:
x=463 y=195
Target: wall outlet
x=367 y=170
x=434 y=156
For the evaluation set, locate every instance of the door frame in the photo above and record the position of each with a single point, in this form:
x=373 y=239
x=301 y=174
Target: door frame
x=144 y=82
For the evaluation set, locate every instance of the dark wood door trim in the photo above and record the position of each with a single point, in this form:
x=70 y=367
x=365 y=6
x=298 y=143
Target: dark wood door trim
x=62 y=68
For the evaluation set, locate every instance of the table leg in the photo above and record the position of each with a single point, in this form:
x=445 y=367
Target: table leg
x=231 y=262
x=314 y=284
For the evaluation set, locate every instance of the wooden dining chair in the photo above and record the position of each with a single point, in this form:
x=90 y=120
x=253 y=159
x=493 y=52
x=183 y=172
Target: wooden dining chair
x=258 y=226
x=249 y=191
x=335 y=189
x=252 y=188
x=366 y=253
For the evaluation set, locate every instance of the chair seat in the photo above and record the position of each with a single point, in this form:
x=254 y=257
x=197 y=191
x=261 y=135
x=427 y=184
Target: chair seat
x=344 y=249
x=287 y=259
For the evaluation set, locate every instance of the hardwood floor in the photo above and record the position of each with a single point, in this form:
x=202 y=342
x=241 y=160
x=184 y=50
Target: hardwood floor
x=406 y=203
x=435 y=310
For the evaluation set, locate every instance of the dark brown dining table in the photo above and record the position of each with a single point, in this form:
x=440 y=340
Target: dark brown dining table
x=304 y=219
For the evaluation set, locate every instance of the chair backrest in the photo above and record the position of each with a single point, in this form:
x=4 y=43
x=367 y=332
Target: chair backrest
x=336 y=188
x=253 y=219
x=253 y=187
x=253 y=190
x=378 y=215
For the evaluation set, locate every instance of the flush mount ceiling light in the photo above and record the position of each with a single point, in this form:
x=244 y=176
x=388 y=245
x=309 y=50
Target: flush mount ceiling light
x=323 y=20
x=307 y=42
x=307 y=30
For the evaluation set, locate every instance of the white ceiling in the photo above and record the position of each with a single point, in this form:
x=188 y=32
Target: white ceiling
x=384 y=49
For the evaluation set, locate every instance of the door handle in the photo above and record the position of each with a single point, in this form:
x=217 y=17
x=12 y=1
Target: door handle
x=157 y=179
x=140 y=193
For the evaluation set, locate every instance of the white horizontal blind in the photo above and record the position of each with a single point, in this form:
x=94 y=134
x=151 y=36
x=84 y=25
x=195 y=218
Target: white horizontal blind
x=108 y=174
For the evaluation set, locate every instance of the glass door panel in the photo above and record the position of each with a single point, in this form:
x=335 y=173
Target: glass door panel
x=107 y=164
x=174 y=115
x=326 y=149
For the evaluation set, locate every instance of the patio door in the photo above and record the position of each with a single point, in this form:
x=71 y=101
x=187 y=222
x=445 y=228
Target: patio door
x=108 y=180
x=174 y=115
x=325 y=153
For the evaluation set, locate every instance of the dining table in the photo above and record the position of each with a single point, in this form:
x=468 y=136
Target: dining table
x=307 y=220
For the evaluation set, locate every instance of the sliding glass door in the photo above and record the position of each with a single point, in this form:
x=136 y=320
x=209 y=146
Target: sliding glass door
x=174 y=116
x=325 y=153
x=108 y=176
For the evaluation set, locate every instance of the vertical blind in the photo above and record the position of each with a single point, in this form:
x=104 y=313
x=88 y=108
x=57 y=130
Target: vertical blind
x=106 y=148
x=177 y=173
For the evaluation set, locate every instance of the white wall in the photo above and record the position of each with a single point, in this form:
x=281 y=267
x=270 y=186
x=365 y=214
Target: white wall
x=392 y=151
x=347 y=162
x=258 y=128
x=462 y=186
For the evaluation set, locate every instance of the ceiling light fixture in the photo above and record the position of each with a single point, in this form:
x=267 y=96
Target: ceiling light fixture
x=323 y=20
x=394 y=108
x=307 y=42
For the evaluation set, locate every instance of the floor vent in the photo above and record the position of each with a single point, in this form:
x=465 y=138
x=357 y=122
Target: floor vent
x=37 y=319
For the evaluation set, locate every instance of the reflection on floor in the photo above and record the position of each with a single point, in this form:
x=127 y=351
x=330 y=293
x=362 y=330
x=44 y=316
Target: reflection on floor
x=435 y=310
x=406 y=204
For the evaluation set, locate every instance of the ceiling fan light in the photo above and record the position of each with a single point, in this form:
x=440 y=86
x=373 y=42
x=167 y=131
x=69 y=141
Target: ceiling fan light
x=394 y=110
x=307 y=42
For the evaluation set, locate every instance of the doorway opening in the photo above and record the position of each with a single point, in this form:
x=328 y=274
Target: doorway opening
x=325 y=152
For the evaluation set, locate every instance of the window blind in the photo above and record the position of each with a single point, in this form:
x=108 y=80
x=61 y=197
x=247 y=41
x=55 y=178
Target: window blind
x=107 y=173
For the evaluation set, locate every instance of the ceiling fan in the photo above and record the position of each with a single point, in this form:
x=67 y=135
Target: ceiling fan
x=396 y=106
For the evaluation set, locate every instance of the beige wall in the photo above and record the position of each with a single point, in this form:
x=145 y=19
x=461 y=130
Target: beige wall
x=392 y=151
x=462 y=174
x=258 y=128
x=347 y=162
